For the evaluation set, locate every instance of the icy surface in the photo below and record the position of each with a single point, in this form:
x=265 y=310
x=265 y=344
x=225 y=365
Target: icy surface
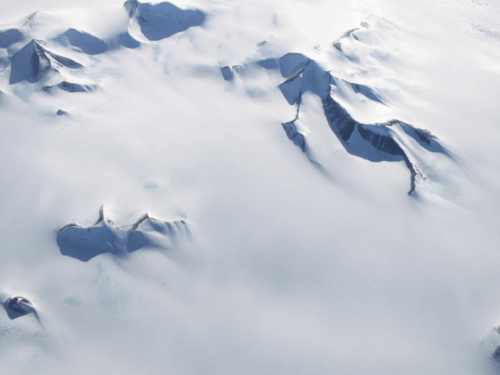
x=287 y=242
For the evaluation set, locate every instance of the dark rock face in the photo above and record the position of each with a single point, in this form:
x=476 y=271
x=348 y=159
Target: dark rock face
x=9 y=37
x=60 y=112
x=18 y=304
x=85 y=243
x=69 y=87
x=269 y=64
x=490 y=344
x=227 y=73
x=32 y=61
x=374 y=142
x=496 y=354
x=17 y=307
x=366 y=91
x=88 y=43
x=125 y=40
x=295 y=136
x=29 y=63
x=163 y=20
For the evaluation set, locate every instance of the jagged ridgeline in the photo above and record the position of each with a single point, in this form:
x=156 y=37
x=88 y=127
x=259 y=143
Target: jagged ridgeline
x=87 y=242
x=394 y=140
x=374 y=142
x=34 y=62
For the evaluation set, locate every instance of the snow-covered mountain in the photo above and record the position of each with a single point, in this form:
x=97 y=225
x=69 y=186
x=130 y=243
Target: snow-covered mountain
x=308 y=187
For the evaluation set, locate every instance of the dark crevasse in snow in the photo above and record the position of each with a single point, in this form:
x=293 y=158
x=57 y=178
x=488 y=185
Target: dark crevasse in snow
x=85 y=243
x=160 y=21
x=32 y=61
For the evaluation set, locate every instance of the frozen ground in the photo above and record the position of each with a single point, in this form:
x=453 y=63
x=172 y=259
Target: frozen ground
x=256 y=216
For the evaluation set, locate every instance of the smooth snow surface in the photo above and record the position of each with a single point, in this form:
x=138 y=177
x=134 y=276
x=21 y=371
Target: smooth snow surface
x=253 y=161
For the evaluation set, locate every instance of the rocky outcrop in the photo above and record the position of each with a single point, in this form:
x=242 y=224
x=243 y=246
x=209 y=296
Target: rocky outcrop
x=18 y=306
x=375 y=142
x=227 y=73
x=160 y=21
x=87 y=242
x=69 y=87
x=33 y=61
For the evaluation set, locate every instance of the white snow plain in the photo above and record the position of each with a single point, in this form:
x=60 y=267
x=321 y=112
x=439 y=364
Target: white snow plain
x=288 y=266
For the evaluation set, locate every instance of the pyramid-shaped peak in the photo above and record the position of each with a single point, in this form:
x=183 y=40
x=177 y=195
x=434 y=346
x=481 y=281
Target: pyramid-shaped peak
x=29 y=63
x=32 y=61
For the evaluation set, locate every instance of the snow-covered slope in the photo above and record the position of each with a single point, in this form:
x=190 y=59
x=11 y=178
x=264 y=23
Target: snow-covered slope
x=253 y=162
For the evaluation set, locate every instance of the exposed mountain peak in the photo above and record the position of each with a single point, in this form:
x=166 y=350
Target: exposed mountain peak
x=162 y=20
x=33 y=61
x=87 y=242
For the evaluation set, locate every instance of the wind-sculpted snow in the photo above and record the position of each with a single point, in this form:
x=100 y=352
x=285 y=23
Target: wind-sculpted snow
x=9 y=37
x=304 y=74
x=87 y=43
x=33 y=61
x=163 y=20
x=349 y=37
x=85 y=243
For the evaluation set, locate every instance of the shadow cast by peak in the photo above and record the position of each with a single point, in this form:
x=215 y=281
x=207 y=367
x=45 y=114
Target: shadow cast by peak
x=86 y=242
x=86 y=42
x=9 y=37
x=162 y=20
x=92 y=45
